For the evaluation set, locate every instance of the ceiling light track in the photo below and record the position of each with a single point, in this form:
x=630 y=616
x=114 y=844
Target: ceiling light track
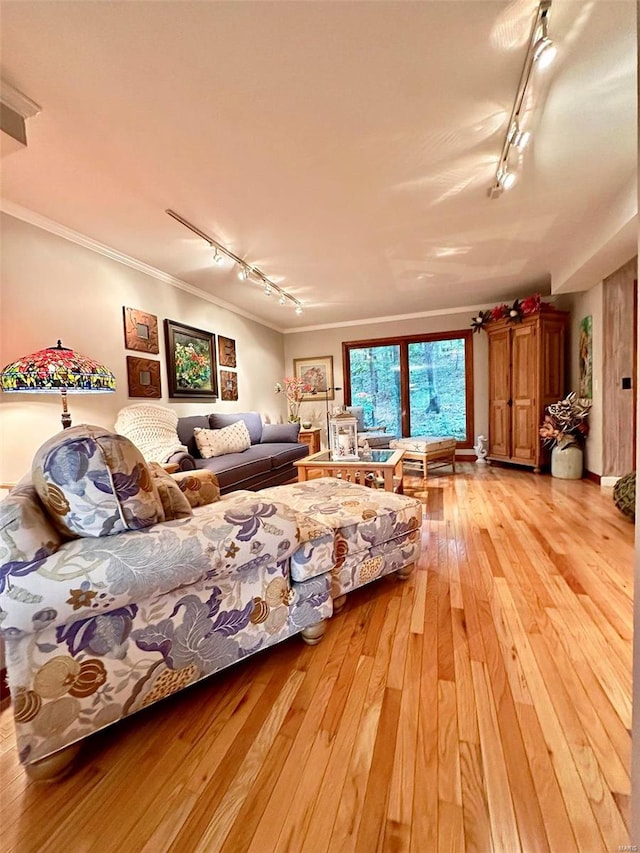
x=246 y=271
x=540 y=52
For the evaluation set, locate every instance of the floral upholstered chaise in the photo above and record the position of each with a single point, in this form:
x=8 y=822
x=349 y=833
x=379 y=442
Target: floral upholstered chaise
x=106 y=606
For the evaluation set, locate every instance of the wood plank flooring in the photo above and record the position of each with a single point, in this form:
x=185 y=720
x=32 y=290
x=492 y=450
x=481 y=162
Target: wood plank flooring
x=482 y=705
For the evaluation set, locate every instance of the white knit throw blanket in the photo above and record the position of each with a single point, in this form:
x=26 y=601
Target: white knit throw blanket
x=152 y=429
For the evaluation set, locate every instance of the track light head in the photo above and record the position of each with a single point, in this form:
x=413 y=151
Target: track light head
x=243 y=273
x=544 y=52
x=506 y=179
x=283 y=299
x=267 y=289
x=217 y=256
x=298 y=309
x=521 y=139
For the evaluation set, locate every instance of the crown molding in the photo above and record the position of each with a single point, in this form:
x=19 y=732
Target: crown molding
x=440 y=312
x=46 y=224
x=17 y=101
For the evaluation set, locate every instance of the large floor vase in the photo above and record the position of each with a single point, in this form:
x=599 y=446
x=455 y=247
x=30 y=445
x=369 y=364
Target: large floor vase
x=566 y=461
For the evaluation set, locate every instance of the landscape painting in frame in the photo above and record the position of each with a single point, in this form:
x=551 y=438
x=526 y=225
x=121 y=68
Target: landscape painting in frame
x=191 y=362
x=586 y=358
x=318 y=373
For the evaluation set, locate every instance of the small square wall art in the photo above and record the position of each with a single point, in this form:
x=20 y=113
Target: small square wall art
x=143 y=376
x=140 y=331
x=228 y=385
x=226 y=352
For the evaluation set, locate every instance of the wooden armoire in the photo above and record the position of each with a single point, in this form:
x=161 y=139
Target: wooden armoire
x=526 y=374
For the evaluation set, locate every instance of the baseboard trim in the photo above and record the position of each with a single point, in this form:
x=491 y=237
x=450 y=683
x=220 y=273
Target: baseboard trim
x=608 y=482
x=594 y=478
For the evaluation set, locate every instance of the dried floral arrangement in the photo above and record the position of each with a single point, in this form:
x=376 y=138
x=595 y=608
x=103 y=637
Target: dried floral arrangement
x=514 y=313
x=565 y=422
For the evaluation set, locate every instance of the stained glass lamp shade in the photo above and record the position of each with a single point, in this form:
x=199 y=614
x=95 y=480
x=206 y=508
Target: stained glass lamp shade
x=57 y=370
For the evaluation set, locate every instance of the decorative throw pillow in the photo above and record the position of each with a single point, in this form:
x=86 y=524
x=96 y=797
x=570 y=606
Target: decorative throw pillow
x=218 y=442
x=93 y=482
x=280 y=433
x=174 y=503
x=199 y=487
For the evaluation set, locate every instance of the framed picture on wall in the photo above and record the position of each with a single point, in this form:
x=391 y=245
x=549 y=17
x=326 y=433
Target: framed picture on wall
x=586 y=358
x=143 y=377
x=226 y=352
x=140 y=330
x=191 y=362
x=228 y=385
x=317 y=372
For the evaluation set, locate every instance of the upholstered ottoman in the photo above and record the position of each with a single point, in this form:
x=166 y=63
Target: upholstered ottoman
x=365 y=533
x=427 y=449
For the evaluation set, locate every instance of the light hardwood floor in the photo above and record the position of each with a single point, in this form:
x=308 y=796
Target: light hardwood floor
x=482 y=705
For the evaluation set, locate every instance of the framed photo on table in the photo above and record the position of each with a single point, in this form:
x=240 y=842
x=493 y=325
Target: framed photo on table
x=191 y=362
x=318 y=373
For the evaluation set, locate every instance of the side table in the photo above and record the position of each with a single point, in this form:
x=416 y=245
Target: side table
x=310 y=437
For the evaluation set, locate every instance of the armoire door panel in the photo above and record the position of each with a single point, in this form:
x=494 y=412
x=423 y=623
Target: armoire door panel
x=499 y=430
x=524 y=436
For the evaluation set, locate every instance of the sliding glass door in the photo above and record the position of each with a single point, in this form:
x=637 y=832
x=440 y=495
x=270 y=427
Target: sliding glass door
x=418 y=385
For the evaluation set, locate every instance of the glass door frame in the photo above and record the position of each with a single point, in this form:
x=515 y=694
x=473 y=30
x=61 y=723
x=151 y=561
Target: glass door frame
x=403 y=342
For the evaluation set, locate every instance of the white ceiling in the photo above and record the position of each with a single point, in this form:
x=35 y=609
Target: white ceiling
x=345 y=148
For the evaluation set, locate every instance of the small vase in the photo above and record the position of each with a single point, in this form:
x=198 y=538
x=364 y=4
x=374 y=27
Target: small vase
x=566 y=460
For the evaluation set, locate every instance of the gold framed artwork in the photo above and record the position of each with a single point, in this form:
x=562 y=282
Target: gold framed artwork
x=143 y=377
x=226 y=352
x=140 y=330
x=228 y=385
x=317 y=372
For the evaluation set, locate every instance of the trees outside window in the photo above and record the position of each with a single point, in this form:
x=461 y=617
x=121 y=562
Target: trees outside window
x=418 y=385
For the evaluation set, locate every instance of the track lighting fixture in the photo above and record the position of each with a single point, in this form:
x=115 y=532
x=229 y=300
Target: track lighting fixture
x=544 y=50
x=540 y=53
x=245 y=272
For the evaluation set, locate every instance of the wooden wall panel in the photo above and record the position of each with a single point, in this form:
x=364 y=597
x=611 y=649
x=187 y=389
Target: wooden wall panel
x=618 y=322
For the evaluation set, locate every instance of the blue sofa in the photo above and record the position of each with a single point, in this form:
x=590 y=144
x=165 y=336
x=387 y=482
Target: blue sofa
x=268 y=462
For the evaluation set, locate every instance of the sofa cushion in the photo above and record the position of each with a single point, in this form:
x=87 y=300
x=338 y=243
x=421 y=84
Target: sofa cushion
x=174 y=502
x=199 y=487
x=280 y=433
x=219 y=442
x=287 y=454
x=93 y=482
x=251 y=419
x=236 y=467
x=186 y=427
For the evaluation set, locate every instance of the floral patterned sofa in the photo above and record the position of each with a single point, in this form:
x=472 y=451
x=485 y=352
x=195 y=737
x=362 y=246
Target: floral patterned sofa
x=121 y=584
x=116 y=592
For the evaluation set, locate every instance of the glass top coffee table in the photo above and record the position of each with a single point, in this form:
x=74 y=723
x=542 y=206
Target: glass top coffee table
x=381 y=469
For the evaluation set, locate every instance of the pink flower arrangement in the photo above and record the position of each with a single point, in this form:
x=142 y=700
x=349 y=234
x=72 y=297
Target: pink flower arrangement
x=294 y=390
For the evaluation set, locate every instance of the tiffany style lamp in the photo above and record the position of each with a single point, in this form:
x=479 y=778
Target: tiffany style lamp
x=57 y=370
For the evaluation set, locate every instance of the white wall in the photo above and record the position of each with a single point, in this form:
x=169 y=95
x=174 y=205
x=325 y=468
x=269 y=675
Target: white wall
x=52 y=288
x=329 y=342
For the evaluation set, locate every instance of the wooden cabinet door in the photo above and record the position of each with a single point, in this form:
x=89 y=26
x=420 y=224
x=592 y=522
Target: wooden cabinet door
x=499 y=393
x=524 y=382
